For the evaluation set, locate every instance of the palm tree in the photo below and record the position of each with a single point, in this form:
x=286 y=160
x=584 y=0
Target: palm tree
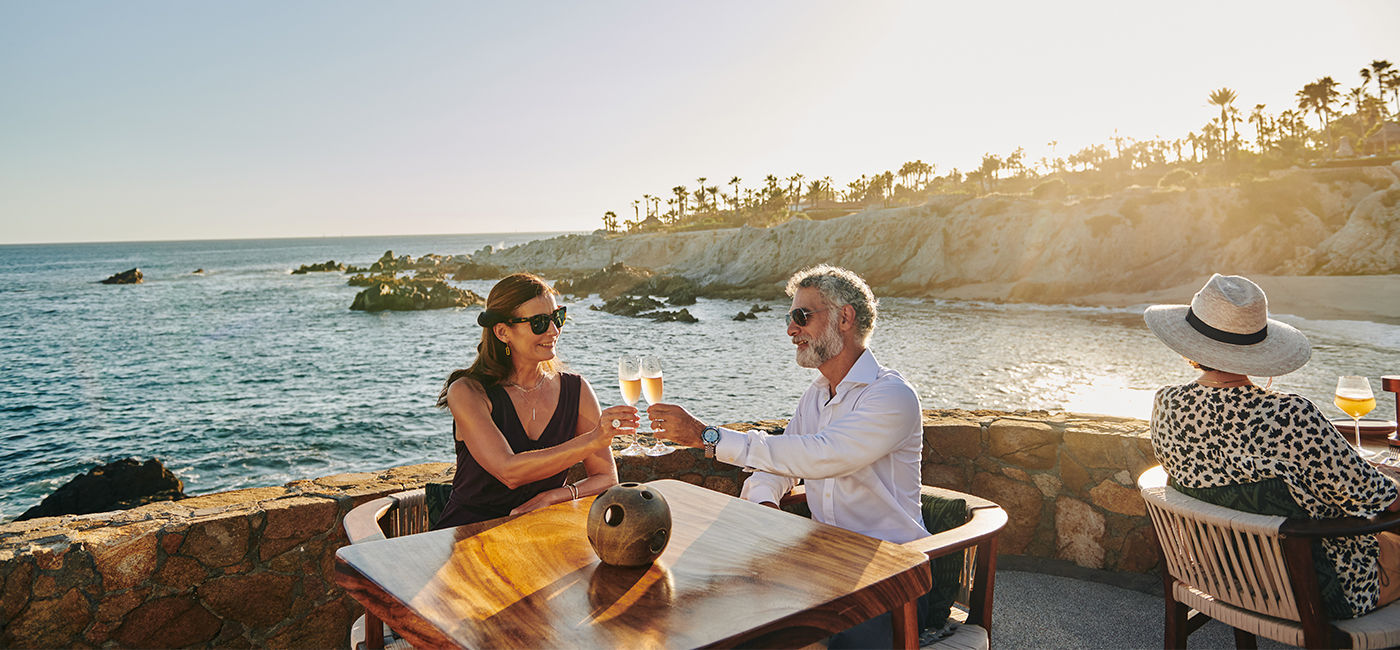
x=635 y=214
x=830 y=192
x=680 y=193
x=1380 y=70
x=610 y=219
x=1319 y=96
x=735 y=180
x=1258 y=119
x=1223 y=98
x=796 y=194
x=701 y=195
x=713 y=190
x=647 y=198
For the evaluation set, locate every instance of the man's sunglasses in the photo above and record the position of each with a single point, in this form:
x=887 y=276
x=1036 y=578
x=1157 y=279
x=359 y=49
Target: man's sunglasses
x=801 y=314
x=539 y=323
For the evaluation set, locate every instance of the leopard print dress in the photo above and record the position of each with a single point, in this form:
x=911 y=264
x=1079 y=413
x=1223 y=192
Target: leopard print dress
x=1211 y=437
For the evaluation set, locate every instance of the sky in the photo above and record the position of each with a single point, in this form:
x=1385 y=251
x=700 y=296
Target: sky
x=144 y=120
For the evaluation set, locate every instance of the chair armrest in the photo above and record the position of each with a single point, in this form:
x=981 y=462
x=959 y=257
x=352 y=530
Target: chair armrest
x=1340 y=527
x=984 y=523
x=797 y=495
x=362 y=522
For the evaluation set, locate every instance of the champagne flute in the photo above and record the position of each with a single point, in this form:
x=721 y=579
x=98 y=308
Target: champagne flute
x=651 y=386
x=629 y=379
x=1354 y=398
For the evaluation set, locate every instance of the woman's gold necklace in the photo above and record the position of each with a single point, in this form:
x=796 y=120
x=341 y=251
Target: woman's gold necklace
x=526 y=391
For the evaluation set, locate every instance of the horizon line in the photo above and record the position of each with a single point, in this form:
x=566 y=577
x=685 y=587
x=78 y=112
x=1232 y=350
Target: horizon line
x=214 y=239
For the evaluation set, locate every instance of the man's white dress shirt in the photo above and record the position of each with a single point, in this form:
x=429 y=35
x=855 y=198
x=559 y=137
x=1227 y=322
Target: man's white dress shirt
x=858 y=451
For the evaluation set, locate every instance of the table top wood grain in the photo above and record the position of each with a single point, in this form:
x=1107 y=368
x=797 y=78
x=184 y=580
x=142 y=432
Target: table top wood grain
x=734 y=573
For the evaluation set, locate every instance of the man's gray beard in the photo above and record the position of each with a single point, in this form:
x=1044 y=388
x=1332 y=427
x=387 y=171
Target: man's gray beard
x=823 y=348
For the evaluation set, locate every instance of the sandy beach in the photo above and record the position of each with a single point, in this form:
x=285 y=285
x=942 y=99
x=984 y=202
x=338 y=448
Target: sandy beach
x=1315 y=297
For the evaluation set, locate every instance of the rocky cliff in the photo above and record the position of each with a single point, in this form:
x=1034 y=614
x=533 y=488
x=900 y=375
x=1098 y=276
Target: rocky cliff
x=1020 y=248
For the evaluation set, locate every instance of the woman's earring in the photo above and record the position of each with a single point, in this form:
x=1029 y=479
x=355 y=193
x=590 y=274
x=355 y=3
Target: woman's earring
x=507 y=350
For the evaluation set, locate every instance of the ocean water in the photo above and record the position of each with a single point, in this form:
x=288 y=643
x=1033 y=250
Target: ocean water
x=249 y=376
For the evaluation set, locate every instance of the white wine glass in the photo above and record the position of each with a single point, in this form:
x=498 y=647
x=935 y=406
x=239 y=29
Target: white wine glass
x=629 y=379
x=651 y=387
x=1354 y=397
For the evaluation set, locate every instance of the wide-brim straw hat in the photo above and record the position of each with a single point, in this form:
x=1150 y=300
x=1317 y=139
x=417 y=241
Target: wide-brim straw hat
x=1227 y=327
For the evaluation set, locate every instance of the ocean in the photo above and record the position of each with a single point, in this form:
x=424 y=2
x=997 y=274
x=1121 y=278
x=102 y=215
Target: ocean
x=248 y=376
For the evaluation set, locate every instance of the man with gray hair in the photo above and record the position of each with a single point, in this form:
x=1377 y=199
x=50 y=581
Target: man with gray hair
x=856 y=437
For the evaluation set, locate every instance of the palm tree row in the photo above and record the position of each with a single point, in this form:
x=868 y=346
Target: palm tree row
x=1284 y=138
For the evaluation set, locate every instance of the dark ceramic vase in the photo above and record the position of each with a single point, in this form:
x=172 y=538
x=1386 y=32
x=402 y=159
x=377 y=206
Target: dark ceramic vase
x=629 y=525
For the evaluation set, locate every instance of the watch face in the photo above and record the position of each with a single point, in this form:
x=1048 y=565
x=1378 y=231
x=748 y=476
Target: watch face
x=710 y=435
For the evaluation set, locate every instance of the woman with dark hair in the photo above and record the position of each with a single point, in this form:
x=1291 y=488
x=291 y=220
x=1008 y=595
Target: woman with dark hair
x=1226 y=441
x=519 y=421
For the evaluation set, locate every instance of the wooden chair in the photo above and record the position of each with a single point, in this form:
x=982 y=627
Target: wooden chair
x=398 y=514
x=1254 y=573
x=977 y=541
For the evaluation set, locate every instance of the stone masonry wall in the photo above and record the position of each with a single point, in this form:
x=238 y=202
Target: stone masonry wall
x=253 y=567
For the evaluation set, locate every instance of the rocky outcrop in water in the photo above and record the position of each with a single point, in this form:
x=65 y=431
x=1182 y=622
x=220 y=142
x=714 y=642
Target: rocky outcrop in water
x=323 y=267
x=130 y=276
x=388 y=263
x=411 y=294
x=1028 y=249
x=619 y=279
x=644 y=307
x=120 y=485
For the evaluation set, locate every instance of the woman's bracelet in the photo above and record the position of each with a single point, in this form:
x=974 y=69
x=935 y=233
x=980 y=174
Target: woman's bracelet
x=573 y=490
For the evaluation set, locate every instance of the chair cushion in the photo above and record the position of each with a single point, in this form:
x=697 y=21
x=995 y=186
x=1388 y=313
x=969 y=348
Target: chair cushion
x=435 y=495
x=942 y=514
x=1272 y=497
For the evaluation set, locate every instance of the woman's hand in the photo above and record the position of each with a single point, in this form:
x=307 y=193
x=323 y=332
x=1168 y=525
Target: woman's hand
x=626 y=418
x=543 y=499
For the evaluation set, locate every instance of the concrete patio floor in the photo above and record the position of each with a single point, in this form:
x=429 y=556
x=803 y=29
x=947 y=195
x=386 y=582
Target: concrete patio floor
x=1041 y=610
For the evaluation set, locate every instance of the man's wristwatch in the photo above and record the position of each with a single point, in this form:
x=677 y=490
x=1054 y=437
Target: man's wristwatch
x=710 y=436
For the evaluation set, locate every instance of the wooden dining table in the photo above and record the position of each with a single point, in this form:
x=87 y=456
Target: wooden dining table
x=734 y=573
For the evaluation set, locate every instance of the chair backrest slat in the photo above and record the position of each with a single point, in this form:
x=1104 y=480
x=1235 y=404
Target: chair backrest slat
x=1233 y=556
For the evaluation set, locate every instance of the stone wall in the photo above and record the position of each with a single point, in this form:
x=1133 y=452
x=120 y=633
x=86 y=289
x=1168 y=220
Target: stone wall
x=253 y=567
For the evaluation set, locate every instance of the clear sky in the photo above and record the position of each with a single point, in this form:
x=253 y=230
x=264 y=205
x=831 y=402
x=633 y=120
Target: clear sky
x=141 y=120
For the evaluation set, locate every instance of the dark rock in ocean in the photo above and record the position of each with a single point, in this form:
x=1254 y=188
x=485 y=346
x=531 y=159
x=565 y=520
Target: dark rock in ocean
x=744 y=315
x=363 y=280
x=132 y=276
x=197 y=272
x=124 y=484
x=405 y=294
x=613 y=280
x=629 y=305
x=475 y=271
x=682 y=316
x=389 y=264
x=759 y=308
x=328 y=265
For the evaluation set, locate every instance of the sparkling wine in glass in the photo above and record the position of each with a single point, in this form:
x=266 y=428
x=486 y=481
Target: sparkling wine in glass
x=629 y=379
x=651 y=387
x=1355 y=398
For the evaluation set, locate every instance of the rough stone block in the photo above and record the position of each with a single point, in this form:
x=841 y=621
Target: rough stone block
x=1016 y=474
x=950 y=438
x=1075 y=477
x=18 y=577
x=327 y=626
x=1140 y=553
x=294 y=520
x=1098 y=449
x=1029 y=444
x=217 y=542
x=124 y=556
x=1113 y=497
x=1049 y=484
x=258 y=600
x=51 y=623
x=945 y=476
x=1022 y=503
x=181 y=572
x=233 y=499
x=113 y=607
x=177 y=621
x=1079 y=533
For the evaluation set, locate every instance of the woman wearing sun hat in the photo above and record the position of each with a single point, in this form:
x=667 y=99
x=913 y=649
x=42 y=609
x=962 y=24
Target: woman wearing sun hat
x=1225 y=440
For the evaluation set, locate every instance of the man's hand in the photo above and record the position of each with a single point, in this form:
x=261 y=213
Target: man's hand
x=675 y=424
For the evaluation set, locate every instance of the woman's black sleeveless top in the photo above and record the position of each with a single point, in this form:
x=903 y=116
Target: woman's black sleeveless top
x=476 y=494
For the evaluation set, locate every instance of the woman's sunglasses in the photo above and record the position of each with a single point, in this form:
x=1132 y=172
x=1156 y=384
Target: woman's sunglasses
x=539 y=323
x=801 y=314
